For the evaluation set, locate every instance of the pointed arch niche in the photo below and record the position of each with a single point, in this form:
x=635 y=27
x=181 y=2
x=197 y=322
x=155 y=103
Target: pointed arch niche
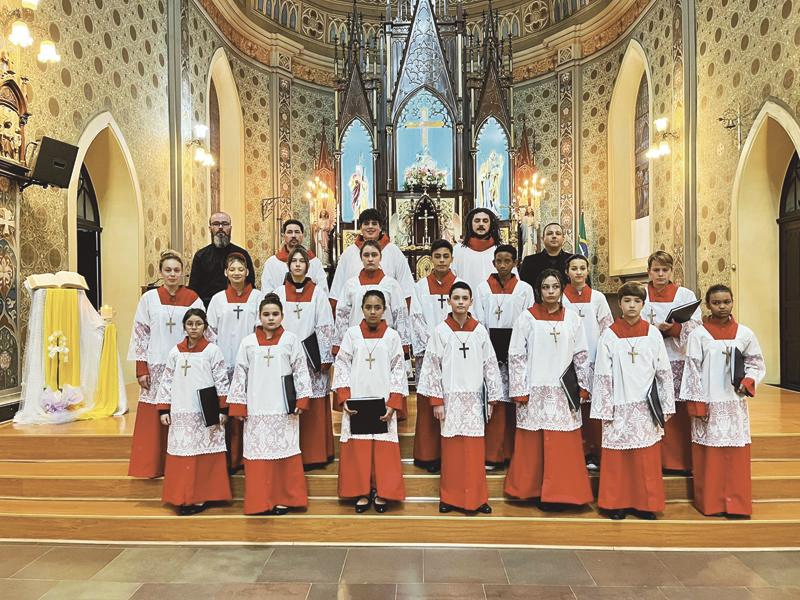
x=755 y=240
x=227 y=134
x=493 y=169
x=103 y=152
x=630 y=239
x=357 y=172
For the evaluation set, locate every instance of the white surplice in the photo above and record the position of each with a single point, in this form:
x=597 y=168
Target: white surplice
x=370 y=368
x=624 y=371
x=473 y=266
x=428 y=309
x=304 y=315
x=275 y=271
x=456 y=367
x=270 y=433
x=595 y=315
x=539 y=353
x=233 y=321
x=707 y=379
x=186 y=373
x=393 y=262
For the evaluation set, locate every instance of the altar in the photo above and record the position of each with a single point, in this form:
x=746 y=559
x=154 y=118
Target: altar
x=424 y=129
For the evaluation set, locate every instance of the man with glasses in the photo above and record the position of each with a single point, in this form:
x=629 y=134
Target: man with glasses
x=208 y=265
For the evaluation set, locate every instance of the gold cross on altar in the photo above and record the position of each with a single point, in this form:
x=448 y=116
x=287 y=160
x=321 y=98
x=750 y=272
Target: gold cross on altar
x=424 y=124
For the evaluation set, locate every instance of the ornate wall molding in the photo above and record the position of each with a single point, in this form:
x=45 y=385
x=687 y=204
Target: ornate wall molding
x=566 y=158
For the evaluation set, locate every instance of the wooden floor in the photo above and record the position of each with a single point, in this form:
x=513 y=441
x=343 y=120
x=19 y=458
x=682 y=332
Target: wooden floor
x=69 y=482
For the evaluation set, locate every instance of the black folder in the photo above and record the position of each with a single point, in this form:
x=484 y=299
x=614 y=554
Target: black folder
x=367 y=420
x=737 y=369
x=209 y=401
x=571 y=387
x=682 y=314
x=501 y=340
x=311 y=348
x=654 y=404
x=289 y=394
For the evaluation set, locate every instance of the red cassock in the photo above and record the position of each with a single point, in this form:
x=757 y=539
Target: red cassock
x=719 y=415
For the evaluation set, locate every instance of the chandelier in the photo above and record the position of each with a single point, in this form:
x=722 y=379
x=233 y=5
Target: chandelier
x=18 y=24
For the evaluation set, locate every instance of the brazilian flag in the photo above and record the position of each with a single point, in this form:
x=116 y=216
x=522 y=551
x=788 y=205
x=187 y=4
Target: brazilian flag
x=583 y=243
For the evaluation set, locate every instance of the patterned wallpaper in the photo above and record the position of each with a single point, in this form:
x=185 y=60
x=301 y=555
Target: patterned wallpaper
x=748 y=51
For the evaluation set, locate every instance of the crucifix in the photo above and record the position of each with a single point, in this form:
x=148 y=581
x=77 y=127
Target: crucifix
x=464 y=349
x=171 y=323
x=297 y=310
x=424 y=124
x=442 y=301
x=498 y=312
x=268 y=357
x=185 y=366
x=425 y=217
x=370 y=360
x=238 y=310
x=555 y=333
x=633 y=354
x=652 y=316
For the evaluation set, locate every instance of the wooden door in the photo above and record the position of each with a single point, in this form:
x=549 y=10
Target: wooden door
x=789 y=224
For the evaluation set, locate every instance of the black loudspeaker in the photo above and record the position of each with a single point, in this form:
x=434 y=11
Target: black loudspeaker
x=53 y=162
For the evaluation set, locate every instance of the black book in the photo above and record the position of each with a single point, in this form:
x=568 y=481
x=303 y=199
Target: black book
x=367 y=420
x=682 y=314
x=209 y=402
x=737 y=369
x=501 y=340
x=571 y=387
x=654 y=404
x=485 y=403
x=311 y=348
x=289 y=394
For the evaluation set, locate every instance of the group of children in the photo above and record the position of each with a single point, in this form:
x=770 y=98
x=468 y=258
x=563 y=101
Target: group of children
x=492 y=363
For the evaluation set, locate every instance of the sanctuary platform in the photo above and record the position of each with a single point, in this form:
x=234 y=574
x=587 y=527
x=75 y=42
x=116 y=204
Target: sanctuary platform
x=69 y=482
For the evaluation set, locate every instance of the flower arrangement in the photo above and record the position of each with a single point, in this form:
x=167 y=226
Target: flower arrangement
x=424 y=176
x=57 y=346
x=59 y=401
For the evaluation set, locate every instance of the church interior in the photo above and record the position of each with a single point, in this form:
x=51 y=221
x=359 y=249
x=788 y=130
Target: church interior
x=637 y=125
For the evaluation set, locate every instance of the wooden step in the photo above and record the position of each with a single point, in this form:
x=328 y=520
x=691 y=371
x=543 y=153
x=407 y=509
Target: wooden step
x=114 y=447
x=772 y=480
x=774 y=524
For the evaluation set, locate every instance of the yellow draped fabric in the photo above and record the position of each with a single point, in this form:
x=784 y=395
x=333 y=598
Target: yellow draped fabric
x=106 y=396
x=62 y=328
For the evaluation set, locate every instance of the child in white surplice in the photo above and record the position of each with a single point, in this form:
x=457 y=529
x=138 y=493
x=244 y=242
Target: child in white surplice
x=273 y=469
x=196 y=471
x=309 y=311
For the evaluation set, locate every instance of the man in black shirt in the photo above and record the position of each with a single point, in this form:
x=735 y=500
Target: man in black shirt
x=208 y=265
x=552 y=257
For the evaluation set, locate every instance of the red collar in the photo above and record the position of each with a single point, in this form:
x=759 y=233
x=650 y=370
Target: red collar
x=480 y=245
x=469 y=325
x=183 y=297
x=304 y=294
x=201 y=344
x=720 y=330
x=576 y=297
x=665 y=295
x=540 y=313
x=370 y=277
x=283 y=254
x=235 y=298
x=498 y=288
x=383 y=240
x=262 y=339
x=434 y=287
x=624 y=330
x=370 y=334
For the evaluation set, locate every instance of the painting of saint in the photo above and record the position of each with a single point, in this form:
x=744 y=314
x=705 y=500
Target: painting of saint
x=492 y=169
x=357 y=172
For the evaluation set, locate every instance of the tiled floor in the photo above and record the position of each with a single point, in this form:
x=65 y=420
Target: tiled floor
x=90 y=572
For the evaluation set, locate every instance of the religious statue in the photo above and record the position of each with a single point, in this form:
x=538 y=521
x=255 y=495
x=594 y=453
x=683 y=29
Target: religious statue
x=491 y=179
x=359 y=189
x=529 y=232
x=322 y=230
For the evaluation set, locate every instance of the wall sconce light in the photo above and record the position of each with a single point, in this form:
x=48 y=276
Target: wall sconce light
x=660 y=146
x=201 y=155
x=732 y=121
